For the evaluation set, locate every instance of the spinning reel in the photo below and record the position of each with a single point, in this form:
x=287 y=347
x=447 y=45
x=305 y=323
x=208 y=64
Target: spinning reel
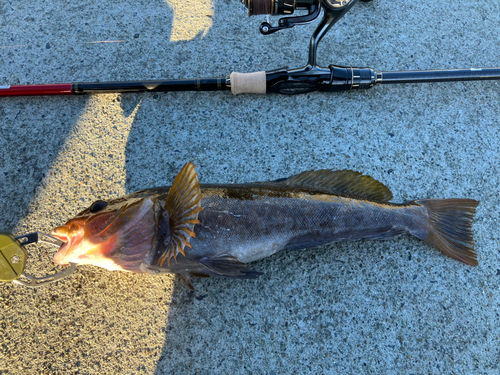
x=333 y=10
x=311 y=77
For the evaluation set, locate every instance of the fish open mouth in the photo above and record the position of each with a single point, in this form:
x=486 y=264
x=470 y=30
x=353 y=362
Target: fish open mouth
x=61 y=253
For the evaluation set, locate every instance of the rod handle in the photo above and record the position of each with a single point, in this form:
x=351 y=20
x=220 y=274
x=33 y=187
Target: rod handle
x=248 y=83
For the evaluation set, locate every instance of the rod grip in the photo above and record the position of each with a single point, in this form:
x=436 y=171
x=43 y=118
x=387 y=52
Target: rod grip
x=248 y=83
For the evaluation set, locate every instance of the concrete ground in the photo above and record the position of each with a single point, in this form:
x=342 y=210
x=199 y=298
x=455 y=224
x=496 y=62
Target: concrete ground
x=396 y=307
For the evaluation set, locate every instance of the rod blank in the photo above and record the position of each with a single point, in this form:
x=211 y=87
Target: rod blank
x=449 y=75
x=37 y=90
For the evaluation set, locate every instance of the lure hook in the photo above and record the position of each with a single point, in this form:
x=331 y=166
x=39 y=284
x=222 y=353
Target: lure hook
x=34 y=282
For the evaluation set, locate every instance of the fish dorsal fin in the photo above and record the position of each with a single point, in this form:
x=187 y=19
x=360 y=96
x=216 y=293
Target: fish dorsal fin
x=342 y=182
x=182 y=205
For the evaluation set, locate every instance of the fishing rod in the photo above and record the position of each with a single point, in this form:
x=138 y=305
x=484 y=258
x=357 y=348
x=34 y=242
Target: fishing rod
x=283 y=81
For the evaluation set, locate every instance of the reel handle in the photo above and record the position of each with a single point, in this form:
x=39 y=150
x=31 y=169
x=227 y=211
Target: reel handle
x=289 y=22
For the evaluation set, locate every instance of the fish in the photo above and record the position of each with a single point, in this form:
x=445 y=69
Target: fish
x=194 y=229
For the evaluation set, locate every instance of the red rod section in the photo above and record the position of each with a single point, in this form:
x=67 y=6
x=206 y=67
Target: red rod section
x=29 y=90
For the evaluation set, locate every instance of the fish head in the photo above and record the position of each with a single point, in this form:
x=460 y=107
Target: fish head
x=114 y=234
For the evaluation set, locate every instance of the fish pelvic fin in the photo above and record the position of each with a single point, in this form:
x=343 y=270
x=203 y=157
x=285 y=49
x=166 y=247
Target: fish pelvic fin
x=229 y=267
x=450 y=227
x=182 y=206
x=187 y=279
x=345 y=182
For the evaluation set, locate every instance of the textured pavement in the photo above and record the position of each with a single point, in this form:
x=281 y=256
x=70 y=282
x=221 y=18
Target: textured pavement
x=394 y=307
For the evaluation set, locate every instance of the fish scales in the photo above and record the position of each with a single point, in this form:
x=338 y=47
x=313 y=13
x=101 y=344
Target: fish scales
x=252 y=229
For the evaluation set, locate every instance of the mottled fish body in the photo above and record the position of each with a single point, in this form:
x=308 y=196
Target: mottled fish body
x=214 y=230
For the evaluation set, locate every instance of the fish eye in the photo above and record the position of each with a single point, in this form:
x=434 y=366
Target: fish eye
x=98 y=206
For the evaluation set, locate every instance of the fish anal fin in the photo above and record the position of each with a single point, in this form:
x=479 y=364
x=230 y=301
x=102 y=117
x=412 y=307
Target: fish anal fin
x=341 y=182
x=312 y=240
x=229 y=267
x=385 y=233
x=182 y=206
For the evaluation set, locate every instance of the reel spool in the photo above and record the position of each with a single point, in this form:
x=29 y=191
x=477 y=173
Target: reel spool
x=276 y=7
x=288 y=7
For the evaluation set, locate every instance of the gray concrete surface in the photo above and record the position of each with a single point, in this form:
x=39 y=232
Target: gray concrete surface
x=396 y=307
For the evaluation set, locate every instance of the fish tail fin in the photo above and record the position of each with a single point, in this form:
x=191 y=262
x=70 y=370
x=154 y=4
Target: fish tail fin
x=449 y=227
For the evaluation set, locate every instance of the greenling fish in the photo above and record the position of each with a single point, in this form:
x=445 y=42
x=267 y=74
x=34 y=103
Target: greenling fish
x=214 y=230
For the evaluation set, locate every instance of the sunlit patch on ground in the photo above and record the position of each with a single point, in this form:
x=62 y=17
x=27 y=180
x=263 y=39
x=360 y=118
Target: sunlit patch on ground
x=90 y=165
x=191 y=18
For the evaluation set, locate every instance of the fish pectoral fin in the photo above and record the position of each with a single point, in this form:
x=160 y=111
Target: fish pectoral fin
x=341 y=182
x=229 y=267
x=182 y=207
